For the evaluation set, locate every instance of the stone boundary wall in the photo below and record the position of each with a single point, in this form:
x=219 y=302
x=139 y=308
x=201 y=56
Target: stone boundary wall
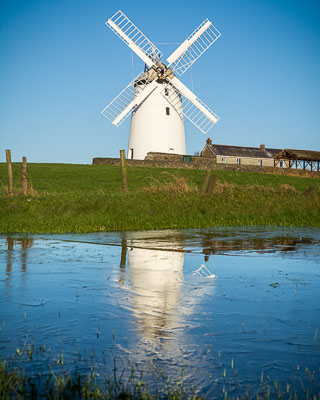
x=163 y=160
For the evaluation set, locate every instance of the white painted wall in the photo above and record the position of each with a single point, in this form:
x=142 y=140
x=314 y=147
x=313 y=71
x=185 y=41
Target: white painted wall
x=266 y=162
x=153 y=130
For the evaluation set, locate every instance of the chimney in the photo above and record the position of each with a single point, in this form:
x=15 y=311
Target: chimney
x=262 y=146
x=209 y=141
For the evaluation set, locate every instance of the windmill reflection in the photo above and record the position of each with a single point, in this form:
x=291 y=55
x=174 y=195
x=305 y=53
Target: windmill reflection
x=155 y=277
x=155 y=281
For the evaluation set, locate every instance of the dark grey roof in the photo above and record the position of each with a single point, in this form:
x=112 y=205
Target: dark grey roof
x=239 y=151
x=273 y=152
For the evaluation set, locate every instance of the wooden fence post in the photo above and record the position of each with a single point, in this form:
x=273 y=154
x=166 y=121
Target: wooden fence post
x=124 y=171
x=9 y=171
x=212 y=183
x=24 y=178
x=205 y=183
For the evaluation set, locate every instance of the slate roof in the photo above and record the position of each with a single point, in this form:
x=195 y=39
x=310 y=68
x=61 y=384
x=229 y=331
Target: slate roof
x=239 y=151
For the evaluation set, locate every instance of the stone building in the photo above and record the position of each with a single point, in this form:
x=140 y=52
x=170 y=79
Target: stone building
x=256 y=156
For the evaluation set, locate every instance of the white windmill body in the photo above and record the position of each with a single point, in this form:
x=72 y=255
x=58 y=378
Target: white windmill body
x=156 y=126
x=157 y=100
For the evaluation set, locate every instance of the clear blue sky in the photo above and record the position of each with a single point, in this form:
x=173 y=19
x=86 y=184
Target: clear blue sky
x=60 y=65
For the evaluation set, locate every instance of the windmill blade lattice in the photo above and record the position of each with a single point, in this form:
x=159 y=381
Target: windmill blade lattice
x=193 y=47
x=198 y=117
x=125 y=29
x=195 y=110
x=128 y=99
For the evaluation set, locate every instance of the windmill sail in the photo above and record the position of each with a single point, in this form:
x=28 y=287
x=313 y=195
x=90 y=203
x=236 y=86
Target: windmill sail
x=129 y=98
x=187 y=103
x=121 y=25
x=193 y=47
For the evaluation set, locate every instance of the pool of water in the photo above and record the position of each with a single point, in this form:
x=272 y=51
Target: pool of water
x=213 y=306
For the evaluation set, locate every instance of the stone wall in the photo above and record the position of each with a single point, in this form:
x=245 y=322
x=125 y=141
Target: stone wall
x=164 y=160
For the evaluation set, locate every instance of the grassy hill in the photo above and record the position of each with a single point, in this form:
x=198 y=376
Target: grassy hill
x=88 y=198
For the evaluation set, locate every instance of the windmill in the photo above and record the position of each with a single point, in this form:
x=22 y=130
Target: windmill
x=157 y=100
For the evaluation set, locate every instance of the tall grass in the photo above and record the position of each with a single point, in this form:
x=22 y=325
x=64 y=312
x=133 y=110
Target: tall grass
x=229 y=205
x=129 y=383
x=157 y=199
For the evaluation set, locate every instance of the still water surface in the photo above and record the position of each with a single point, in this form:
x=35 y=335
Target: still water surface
x=203 y=303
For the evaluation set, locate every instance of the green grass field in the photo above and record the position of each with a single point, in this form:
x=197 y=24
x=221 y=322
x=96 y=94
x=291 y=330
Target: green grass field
x=88 y=198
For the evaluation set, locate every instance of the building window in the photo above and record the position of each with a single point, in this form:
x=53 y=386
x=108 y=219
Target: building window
x=260 y=163
x=167 y=111
x=166 y=92
x=223 y=159
x=238 y=160
x=281 y=164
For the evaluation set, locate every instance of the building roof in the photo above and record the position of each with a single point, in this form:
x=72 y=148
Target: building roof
x=240 y=151
x=307 y=155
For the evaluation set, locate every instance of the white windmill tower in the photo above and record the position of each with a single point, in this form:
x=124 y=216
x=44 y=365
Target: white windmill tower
x=156 y=98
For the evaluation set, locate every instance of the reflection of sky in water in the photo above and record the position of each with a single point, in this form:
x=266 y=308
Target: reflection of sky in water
x=177 y=297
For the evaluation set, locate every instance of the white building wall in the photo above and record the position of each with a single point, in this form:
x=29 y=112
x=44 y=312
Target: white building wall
x=153 y=130
x=266 y=162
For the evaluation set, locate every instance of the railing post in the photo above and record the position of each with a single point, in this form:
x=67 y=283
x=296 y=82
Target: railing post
x=9 y=172
x=124 y=171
